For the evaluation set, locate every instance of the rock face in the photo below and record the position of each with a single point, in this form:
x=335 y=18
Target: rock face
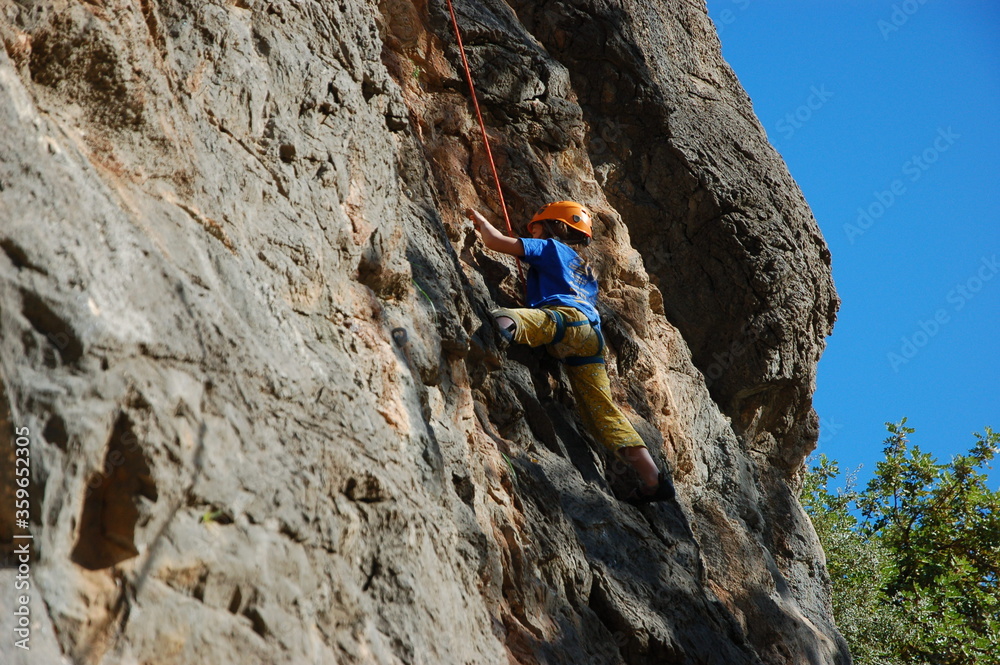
x=246 y=328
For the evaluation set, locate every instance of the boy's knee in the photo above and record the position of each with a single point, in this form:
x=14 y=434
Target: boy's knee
x=507 y=327
x=506 y=324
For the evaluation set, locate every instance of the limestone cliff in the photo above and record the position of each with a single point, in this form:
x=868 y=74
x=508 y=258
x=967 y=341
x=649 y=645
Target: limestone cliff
x=246 y=327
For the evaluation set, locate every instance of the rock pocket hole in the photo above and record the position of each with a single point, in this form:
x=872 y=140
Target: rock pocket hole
x=287 y=153
x=111 y=506
x=365 y=489
x=53 y=327
x=236 y=601
x=256 y=621
x=55 y=432
x=17 y=255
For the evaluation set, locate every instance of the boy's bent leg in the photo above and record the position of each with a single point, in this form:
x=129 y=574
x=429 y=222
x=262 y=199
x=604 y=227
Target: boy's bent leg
x=533 y=327
x=507 y=327
x=642 y=462
x=613 y=430
x=606 y=421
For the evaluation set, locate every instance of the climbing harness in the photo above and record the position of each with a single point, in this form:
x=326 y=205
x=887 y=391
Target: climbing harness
x=482 y=129
x=561 y=325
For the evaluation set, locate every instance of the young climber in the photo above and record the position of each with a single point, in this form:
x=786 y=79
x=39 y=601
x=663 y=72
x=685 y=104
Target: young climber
x=562 y=314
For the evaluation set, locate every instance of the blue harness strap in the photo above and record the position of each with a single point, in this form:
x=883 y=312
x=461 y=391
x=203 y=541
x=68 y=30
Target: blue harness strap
x=561 y=325
x=560 y=321
x=577 y=361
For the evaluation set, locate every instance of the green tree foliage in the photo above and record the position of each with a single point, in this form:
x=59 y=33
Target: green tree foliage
x=914 y=559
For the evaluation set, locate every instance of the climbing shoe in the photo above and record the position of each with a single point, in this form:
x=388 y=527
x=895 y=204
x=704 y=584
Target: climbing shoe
x=664 y=492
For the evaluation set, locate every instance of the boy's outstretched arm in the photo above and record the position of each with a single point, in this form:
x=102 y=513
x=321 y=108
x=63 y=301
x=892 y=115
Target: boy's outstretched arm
x=492 y=238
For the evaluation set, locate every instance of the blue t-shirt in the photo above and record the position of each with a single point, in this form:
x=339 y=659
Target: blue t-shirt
x=558 y=277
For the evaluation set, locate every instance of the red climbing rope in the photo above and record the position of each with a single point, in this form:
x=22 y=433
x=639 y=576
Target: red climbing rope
x=482 y=129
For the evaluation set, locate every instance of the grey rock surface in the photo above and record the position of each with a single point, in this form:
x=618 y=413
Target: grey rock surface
x=246 y=325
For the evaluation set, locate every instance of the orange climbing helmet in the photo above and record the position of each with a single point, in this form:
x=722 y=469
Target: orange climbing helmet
x=571 y=213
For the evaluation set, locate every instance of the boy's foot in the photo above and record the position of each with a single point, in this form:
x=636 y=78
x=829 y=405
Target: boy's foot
x=664 y=491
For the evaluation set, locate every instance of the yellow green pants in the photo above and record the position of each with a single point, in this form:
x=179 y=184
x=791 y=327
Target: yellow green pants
x=589 y=380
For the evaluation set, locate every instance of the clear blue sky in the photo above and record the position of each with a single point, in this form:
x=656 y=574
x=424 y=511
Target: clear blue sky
x=887 y=114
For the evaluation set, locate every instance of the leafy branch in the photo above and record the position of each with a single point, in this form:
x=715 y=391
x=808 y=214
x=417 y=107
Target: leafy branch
x=914 y=559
